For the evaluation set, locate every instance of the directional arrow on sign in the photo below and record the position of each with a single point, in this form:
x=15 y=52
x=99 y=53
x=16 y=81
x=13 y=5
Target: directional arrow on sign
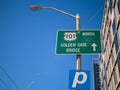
x=94 y=46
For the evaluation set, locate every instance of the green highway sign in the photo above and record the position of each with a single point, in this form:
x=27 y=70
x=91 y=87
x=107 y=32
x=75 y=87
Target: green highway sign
x=78 y=42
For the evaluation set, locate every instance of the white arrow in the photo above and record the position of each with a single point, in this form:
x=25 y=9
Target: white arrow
x=94 y=46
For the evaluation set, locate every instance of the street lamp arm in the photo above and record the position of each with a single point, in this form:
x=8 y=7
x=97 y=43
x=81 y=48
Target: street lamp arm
x=60 y=11
x=35 y=8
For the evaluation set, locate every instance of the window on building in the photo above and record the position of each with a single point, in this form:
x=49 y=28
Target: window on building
x=118 y=60
x=119 y=87
x=106 y=81
x=110 y=6
x=119 y=6
x=113 y=26
x=116 y=43
x=110 y=38
x=113 y=53
x=104 y=66
x=115 y=77
x=114 y=4
x=112 y=82
x=112 y=58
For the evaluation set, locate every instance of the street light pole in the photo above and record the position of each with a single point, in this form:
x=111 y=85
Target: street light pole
x=78 y=57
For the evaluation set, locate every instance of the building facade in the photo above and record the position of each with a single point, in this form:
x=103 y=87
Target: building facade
x=96 y=74
x=110 y=58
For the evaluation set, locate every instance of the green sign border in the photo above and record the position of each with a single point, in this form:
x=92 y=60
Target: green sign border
x=78 y=31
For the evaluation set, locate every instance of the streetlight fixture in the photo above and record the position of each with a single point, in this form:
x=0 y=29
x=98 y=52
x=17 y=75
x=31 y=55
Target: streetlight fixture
x=35 y=8
x=77 y=17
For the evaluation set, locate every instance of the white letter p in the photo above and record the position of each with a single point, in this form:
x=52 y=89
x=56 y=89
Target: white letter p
x=75 y=81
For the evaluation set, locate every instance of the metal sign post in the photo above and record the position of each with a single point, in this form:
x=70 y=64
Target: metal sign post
x=78 y=57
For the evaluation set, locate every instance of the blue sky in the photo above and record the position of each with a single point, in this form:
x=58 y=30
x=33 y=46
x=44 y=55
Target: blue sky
x=27 y=42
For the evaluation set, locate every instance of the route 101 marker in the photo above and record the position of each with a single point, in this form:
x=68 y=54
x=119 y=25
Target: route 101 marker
x=78 y=42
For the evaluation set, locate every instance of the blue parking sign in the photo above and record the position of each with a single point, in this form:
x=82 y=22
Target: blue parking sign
x=79 y=79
